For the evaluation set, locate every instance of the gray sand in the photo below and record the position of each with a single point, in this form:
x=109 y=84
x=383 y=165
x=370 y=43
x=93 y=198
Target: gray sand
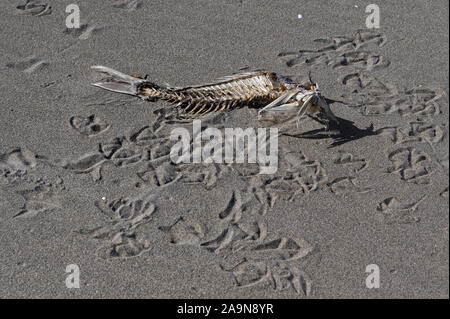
x=85 y=178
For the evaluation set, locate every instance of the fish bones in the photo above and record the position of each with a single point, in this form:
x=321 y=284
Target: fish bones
x=275 y=95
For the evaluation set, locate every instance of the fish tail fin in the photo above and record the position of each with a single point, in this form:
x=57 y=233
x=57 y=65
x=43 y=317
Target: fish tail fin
x=122 y=83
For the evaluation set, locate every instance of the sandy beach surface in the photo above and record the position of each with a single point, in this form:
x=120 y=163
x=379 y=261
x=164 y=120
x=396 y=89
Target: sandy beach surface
x=87 y=185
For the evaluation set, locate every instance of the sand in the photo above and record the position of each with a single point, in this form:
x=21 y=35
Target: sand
x=86 y=179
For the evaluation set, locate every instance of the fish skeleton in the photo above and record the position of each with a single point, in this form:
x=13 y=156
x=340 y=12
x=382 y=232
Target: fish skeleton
x=276 y=95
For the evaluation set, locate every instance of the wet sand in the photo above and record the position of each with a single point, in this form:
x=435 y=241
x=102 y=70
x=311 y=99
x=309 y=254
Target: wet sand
x=86 y=177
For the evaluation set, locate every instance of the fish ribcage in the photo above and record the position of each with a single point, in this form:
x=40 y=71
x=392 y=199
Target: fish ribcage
x=251 y=89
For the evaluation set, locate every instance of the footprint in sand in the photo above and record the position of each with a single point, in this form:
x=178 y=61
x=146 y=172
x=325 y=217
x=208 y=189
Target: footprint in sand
x=284 y=248
x=357 y=60
x=84 y=32
x=394 y=211
x=412 y=165
x=159 y=175
x=120 y=235
x=35 y=8
x=21 y=171
x=33 y=208
x=341 y=52
x=29 y=64
x=185 y=232
x=417 y=131
x=354 y=164
x=278 y=276
x=347 y=185
x=89 y=126
x=300 y=175
x=372 y=96
x=128 y=5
